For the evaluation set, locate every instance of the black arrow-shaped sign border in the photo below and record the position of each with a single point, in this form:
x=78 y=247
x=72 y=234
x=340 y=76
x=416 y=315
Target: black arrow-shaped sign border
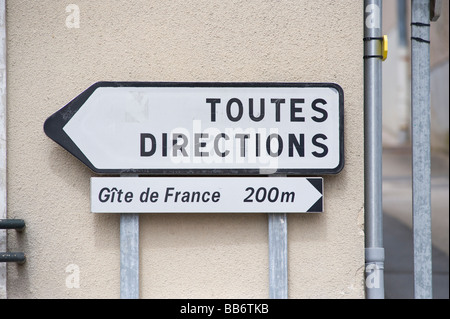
x=53 y=128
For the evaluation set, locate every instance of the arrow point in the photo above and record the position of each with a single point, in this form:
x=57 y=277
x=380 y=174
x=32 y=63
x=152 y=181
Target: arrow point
x=317 y=207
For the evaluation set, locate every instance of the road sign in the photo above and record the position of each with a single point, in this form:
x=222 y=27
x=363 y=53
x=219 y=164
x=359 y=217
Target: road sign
x=204 y=128
x=206 y=195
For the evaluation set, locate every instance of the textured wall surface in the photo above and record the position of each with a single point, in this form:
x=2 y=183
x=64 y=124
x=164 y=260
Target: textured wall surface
x=182 y=256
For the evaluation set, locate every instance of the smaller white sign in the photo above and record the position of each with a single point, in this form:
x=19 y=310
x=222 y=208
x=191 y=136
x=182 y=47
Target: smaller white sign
x=206 y=194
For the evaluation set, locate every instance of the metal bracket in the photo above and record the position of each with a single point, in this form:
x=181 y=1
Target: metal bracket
x=382 y=51
x=384 y=47
x=18 y=225
x=12 y=257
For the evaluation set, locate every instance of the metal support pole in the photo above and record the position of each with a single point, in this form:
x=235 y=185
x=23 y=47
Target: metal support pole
x=373 y=149
x=421 y=162
x=278 y=273
x=129 y=256
x=278 y=254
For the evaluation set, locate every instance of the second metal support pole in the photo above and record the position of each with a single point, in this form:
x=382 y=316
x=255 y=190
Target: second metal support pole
x=129 y=255
x=278 y=272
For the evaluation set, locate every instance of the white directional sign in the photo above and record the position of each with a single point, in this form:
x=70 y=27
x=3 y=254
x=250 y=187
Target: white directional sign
x=206 y=195
x=200 y=128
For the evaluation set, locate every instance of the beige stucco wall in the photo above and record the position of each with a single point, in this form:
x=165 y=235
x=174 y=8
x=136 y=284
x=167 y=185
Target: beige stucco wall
x=182 y=256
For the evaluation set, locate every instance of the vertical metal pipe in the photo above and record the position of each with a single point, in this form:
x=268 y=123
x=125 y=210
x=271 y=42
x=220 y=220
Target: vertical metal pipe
x=420 y=104
x=373 y=149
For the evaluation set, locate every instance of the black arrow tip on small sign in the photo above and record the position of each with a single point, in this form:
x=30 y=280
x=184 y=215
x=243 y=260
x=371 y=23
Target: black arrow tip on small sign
x=318 y=205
